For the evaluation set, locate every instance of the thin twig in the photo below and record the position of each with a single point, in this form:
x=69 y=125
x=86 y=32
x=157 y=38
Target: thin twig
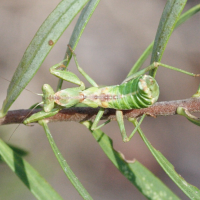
x=86 y=113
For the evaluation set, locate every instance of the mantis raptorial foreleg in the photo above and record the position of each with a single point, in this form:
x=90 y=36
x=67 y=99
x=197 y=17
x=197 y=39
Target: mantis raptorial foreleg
x=85 y=75
x=59 y=71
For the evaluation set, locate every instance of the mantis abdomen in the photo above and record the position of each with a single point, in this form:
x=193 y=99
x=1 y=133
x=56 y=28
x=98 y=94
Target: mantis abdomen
x=141 y=92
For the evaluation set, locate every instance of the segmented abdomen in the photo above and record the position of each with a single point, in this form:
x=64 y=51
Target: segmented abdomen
x=141 y=92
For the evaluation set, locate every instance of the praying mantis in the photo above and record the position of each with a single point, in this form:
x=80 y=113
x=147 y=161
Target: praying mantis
x=136 y=91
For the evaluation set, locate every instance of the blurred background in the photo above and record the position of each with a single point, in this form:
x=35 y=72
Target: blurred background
x=113 y=40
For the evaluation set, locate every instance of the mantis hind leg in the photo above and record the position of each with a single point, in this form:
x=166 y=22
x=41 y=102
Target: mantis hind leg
x=156 y=65
x=120 y=120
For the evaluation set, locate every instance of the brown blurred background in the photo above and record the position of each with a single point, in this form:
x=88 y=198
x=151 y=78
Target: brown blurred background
x=117 y=34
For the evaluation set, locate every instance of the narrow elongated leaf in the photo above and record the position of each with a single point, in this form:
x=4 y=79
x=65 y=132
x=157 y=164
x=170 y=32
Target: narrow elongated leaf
x=83 y=19
x=42 y=43
x=145 y=181
x=77 y=32
x=170 y=16
x=17 y=150
x=28 y=175
x=63 y=163
x=191 y=191
x=185 y=16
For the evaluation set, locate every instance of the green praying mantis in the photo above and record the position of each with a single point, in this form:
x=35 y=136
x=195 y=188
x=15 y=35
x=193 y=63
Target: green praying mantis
x=136 y=91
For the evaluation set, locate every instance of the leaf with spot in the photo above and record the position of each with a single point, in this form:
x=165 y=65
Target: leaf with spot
x=44 y=40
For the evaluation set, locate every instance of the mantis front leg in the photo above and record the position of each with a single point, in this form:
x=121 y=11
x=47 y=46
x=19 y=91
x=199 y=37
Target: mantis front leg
x=59 y=70
x=66 y=75
x=41 y=115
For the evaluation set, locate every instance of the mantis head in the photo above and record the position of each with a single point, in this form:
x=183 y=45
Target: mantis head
x=48 y=97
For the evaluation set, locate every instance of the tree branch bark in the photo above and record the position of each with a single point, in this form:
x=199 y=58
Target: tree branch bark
x=79 y=114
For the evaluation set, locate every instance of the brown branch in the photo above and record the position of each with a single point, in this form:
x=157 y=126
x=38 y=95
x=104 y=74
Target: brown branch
x=86 y=113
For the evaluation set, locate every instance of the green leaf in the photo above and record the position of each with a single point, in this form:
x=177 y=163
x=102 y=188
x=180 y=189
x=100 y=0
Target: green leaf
x=69 y=173
x=169 y=18
x=185 y=16
x=191 y=191
x=145 y=181
x=45 y=38
x=77 y=32
x=17 y=150
x=28 y=175
x=81 y=24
